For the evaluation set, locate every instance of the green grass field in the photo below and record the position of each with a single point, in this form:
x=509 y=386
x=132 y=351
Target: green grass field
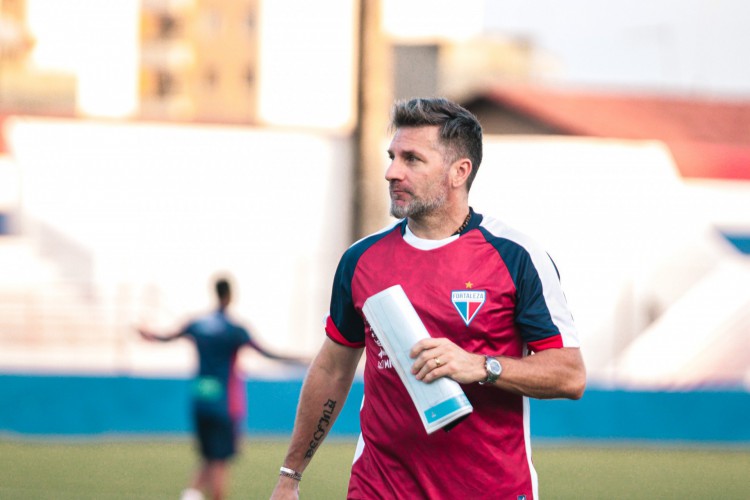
x=159 y=468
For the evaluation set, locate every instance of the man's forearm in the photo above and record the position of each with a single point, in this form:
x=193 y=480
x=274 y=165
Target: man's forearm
x=319 y=406
x=152 y=335
x=323 y=395
x=553 y=373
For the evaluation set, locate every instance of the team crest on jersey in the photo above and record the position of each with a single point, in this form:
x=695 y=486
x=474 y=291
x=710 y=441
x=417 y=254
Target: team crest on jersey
x=468 y=303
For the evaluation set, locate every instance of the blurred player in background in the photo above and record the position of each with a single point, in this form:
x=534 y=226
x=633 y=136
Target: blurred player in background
x=219 y=403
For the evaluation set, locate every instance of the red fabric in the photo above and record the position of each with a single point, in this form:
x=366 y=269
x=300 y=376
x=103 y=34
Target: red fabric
x=555 y=342
x=335 y=335
x=399 y=459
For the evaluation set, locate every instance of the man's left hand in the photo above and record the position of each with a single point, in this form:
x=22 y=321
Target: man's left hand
x=439 y=357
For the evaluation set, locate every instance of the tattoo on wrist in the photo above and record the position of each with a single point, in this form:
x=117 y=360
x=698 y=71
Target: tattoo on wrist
x=323 y=425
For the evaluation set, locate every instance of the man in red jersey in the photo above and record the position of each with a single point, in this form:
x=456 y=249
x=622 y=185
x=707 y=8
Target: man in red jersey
x=490 y=299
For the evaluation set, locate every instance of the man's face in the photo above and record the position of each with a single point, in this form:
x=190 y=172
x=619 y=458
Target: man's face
x=418 y=173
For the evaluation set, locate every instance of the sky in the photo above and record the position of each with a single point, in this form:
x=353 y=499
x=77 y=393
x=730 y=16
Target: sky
x=674 y=46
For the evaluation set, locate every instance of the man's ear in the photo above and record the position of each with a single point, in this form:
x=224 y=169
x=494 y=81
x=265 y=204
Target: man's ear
x=460 y=171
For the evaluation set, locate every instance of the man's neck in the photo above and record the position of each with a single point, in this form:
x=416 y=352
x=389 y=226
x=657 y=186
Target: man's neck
x=438 y=226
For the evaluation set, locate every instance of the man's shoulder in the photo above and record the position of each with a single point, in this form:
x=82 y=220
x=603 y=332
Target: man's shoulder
x=496 y=230
x=360 y=246
x=516 y=247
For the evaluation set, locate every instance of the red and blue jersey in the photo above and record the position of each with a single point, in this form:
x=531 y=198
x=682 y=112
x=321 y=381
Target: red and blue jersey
x=491 y=290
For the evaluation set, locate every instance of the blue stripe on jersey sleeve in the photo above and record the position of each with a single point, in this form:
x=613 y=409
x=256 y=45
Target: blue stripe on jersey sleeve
x=532 y=316
x=343 y=313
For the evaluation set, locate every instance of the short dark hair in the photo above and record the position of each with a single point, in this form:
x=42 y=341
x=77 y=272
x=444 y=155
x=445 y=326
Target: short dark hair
x=460 y=131
x=223 y=290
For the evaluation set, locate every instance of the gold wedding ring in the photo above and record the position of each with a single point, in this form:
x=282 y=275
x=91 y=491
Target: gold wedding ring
x=438 y=362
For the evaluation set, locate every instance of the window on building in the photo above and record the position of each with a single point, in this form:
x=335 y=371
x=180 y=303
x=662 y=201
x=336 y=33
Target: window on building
x=166 y=84
x=168 y=25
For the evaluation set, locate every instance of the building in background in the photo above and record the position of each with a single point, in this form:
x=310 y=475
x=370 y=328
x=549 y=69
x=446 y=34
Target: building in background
x=250 y=62
x=184 y=60
x=199 y=60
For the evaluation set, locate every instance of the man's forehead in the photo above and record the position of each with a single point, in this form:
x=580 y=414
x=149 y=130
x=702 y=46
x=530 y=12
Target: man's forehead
x=417 y=137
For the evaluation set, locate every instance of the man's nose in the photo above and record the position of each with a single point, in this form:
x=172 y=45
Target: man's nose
x=394 y=171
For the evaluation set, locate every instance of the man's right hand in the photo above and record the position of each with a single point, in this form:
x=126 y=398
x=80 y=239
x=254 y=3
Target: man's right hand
x=286 y=489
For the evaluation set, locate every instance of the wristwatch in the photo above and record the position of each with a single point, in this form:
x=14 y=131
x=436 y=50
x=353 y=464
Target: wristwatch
x=494 y=369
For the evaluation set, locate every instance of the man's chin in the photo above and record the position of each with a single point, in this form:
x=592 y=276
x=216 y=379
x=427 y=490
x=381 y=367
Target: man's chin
x=399 y=210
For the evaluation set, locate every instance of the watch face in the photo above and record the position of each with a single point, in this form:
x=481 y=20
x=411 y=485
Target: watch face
x=494 y=366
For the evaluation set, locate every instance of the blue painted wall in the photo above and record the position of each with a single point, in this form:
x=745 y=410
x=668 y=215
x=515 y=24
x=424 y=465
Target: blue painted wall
x=81 y=405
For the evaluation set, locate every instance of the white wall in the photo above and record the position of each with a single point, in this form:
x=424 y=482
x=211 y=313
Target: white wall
x=160 y=208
